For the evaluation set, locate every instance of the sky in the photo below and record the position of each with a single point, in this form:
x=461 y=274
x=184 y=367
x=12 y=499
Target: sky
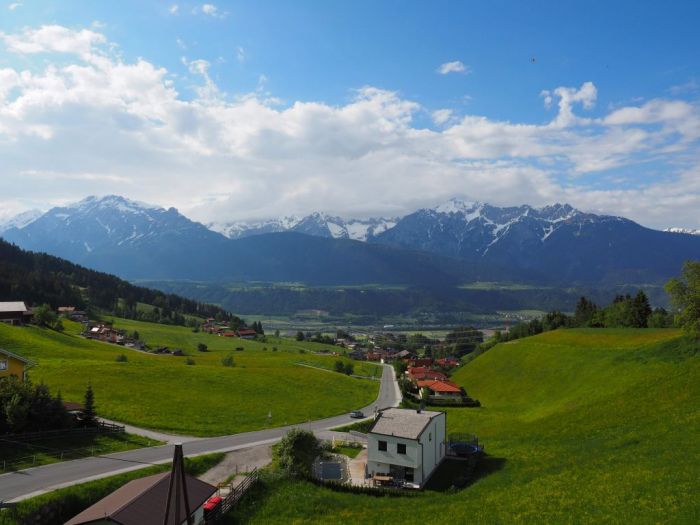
x=250 y=110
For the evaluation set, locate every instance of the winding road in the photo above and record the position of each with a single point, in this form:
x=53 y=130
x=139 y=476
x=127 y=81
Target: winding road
x=16 y=486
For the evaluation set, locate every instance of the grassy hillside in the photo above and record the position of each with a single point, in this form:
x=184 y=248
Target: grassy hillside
x=581 y=426
x=162 y=392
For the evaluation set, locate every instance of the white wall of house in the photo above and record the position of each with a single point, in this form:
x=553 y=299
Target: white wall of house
x=423 y=454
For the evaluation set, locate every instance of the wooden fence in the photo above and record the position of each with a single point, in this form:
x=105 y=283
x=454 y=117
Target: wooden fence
x=231 y=495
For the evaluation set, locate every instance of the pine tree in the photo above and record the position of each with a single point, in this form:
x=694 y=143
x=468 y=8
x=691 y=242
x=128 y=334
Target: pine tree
x=89 y=414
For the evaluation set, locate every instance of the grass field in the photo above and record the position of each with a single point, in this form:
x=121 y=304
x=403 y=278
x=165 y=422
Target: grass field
x=162 y=392
x=580 y=426
x=19 y=455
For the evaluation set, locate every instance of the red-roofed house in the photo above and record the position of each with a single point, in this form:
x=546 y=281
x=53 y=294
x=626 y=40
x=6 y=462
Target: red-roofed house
x=247 y=334
x=423 y=373
x=441 y=389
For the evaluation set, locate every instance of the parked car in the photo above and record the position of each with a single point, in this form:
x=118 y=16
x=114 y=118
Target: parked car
x=357 y=414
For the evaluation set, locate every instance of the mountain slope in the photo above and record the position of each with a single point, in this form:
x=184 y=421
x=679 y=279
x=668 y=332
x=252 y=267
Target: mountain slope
x=38 y=278
x=119 y=236
x=141 y=242
x=556 y=243
x=319 y=224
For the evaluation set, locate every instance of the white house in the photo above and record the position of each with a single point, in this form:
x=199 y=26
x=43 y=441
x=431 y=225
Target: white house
x=406 y=444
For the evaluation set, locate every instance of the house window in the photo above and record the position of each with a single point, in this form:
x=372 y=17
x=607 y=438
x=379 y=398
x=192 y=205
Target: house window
x=430 y=436
x=3 y=364
x=400 y=448
x=382 y=445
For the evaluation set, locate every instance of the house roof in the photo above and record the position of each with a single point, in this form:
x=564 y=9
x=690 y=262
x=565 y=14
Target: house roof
x=143 y=501
x=13 y=306
x=401 y=422
x=440 y=386
x=18 y=357
x=247 y=332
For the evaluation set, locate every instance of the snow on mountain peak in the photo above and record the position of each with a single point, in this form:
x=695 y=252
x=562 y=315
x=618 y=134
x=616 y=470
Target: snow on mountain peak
x=688 y=231
x=21 y=220
x=115 y=202
x=458 y=206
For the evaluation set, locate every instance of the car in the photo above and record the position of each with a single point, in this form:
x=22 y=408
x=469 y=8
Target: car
x=357 y=414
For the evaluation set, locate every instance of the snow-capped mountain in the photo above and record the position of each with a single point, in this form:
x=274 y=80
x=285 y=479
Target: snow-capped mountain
x=688 y=231
x=115 y=234
x=461 y=228
x=318 y=224
x=20 y=221
x=554 y=243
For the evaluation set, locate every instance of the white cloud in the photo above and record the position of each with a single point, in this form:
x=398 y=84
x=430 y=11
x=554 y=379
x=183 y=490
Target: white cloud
x=53 y=39
x=97 y=124
x=441 y=116
x=240 y=54
x=14 y=6
x=174 y=9
x=210 y=10
x=453 y=67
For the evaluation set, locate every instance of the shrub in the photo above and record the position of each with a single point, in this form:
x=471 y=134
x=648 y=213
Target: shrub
x=189 y=361
x=274 y=349
x=239 y=349
x=296 y=452
x=201 y=347
x=228 y=361
x=302 y=351
x=339 y=366
x=121 y=358
x=349 y=369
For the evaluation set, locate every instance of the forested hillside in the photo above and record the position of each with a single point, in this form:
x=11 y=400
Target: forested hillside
x=37 y=278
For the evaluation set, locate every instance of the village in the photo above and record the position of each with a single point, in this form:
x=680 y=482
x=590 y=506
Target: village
x=389 y=448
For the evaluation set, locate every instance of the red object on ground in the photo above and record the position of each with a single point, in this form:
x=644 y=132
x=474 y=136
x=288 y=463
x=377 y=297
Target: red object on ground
x=212 y=503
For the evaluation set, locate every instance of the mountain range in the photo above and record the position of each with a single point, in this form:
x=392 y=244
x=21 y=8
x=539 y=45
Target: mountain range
x=452 y=243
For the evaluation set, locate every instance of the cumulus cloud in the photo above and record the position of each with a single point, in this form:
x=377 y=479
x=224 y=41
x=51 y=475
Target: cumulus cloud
x=97 y=125
x=210 y=10
x=174 y=9
x=453 y=67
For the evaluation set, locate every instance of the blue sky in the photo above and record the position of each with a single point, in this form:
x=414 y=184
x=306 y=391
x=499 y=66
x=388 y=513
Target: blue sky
x=288 y=105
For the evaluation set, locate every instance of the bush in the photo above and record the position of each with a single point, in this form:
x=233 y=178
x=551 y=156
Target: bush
x=339 y=366
x=189 y=361
x=121 y=358
x=296 y=452
x=349 y=369
x=302 y=351
x=274 y=349
x=228 y=361
x=239 y=349
x=201 y=347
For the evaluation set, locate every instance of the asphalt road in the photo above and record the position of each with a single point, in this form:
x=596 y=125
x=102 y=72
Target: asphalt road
x=20 y=485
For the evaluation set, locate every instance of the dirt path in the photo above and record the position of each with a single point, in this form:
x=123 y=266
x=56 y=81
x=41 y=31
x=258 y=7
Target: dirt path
x=244 y=460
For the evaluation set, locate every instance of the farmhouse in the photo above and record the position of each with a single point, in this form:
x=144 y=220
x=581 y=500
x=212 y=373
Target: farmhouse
x=405 y=445
x=154 y=500
x=247 y=334
x=15 y=313
x=13 y=365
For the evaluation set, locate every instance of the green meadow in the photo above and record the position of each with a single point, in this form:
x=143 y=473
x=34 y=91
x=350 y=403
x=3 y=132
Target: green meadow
x=264 y=388
x=580 y=426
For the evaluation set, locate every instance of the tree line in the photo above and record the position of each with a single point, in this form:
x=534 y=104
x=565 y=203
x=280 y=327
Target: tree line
x=625 y=311
x=38 y=278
